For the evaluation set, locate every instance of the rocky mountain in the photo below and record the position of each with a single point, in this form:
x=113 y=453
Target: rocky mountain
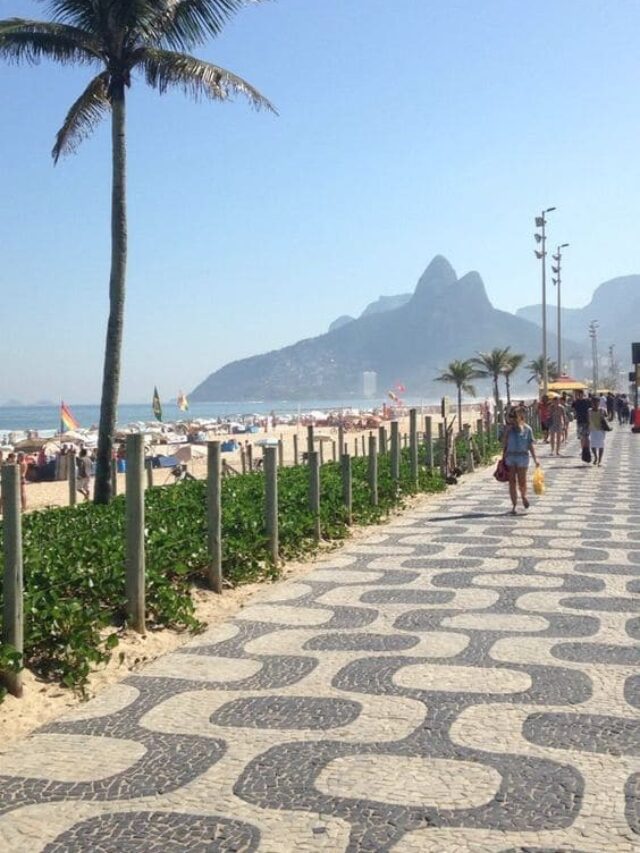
x=615 y=305
x=445 y=318
x=341 y=321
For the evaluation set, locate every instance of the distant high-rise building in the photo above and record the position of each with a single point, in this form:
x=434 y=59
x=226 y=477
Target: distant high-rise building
x=369 y=383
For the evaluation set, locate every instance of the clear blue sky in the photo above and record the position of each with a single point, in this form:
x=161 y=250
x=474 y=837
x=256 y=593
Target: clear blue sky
x=406 y=129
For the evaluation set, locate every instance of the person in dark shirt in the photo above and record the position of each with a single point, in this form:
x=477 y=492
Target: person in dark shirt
x=581 y=406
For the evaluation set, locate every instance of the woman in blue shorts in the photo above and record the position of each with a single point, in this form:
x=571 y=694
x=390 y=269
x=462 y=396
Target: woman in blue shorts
x=518 y=444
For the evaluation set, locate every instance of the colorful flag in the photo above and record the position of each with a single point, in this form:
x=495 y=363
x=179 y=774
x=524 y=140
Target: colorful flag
x=183 y=403
x=156 y=405
x=67 y=418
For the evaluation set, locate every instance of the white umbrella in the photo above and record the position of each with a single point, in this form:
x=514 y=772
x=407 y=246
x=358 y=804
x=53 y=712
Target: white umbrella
x=188 y=452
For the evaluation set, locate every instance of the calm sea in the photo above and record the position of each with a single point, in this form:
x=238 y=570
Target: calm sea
x=19 y=418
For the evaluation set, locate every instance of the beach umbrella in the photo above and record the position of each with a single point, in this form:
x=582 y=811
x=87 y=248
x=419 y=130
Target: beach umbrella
x=189 y=452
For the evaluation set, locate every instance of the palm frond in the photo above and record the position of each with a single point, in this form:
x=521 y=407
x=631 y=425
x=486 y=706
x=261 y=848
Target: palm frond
x=83 y=116
x=164 y=69
x=30 y=41
x=84 y=14
x=181 y=24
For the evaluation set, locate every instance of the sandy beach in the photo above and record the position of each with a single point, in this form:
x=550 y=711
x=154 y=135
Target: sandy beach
x=54 y=494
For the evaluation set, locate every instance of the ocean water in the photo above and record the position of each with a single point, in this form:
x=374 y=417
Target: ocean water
x=44 y=418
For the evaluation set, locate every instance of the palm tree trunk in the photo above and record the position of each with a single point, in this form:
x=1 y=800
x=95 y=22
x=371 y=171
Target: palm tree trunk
x=496 y=392
x=459 y=408
x=113 y=346
x=506 y=379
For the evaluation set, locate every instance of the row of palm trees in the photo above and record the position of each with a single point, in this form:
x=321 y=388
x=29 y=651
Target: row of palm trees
x=500 y=362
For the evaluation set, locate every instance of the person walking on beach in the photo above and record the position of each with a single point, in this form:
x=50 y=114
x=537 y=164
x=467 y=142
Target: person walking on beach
x=557 y=425
x=84 y=473
x=518 y=443
x=598 y=425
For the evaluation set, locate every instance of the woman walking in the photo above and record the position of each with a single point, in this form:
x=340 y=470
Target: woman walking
x=557 y=425
x=597 y=427
x=517 y=445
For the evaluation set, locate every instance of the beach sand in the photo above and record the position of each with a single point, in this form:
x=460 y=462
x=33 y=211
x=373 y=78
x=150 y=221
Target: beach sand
x=43 y=495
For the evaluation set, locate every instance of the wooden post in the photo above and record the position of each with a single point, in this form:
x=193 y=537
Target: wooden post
x=114 y=478
x=314 y=492
x=72 y=476
x=135 y=563
x=480 y=436
x=12 y=608
x=347 y=486
x=341 y=449
x=373 y=469
x=295 y=449
x=214 y=515
x=382 y=440
x=321 y=452
x=243 y=459
x=413 y=444
x=395 y=451
x=310 y=438
x=364 y=446
x=334 y=452
x=249 y=457
x=428 y=440
x=271 y=502
x=472 y=466
x=280 y=453
x=440 y=430
x=148 y=465
x=355 y=447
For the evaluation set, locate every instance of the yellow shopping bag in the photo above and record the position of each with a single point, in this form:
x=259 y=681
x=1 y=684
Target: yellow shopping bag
x=538 y=481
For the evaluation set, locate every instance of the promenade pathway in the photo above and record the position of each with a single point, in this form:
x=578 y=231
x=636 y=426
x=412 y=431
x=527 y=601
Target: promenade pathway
x=460 y=680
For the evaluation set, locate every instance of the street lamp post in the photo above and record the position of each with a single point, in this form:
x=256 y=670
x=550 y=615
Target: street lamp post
x=593 y=334
x=557 y=271
x=541 y=254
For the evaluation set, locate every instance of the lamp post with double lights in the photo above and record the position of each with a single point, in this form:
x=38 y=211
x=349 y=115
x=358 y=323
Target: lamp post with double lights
x=557 y=271
x=541 y=254
x=593 y=334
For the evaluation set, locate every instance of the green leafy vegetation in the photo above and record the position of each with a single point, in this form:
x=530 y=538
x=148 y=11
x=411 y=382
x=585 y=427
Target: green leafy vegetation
x=74 y=598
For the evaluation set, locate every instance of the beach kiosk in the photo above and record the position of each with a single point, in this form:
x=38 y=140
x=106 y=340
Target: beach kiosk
x=566 y=383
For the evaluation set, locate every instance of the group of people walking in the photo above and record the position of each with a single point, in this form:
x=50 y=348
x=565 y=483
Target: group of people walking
x=592 y=415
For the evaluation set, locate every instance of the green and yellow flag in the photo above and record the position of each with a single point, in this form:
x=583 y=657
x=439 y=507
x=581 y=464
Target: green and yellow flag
x=156 y=405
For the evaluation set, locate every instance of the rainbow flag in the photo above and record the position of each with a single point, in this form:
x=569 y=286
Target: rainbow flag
x=67 y=418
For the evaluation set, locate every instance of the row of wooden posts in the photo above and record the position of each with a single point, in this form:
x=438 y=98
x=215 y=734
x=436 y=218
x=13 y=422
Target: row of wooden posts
x=13 y=586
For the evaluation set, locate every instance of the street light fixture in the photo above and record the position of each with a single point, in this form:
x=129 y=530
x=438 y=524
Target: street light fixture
x=541 y=255
x=557 y=271
x=593 y=334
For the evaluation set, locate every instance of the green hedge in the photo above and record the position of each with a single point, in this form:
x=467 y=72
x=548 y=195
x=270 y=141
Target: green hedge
x=74 y=557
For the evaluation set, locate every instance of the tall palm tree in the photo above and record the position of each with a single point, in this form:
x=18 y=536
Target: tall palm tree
x=514 y=360
x=121 y=38
x=460 y=374
x=536 y=368
x=493 y=364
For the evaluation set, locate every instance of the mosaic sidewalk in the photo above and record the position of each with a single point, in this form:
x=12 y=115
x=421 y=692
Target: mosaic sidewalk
x=459 y=681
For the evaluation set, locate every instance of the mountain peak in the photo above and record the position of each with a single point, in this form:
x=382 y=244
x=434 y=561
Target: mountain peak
x=436 y=278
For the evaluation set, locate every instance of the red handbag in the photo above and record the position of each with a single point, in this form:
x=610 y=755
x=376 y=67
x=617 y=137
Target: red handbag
x=502 y=471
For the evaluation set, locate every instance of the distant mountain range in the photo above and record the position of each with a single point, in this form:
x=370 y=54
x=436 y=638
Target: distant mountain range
x=408 y=338
x=615 y=305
